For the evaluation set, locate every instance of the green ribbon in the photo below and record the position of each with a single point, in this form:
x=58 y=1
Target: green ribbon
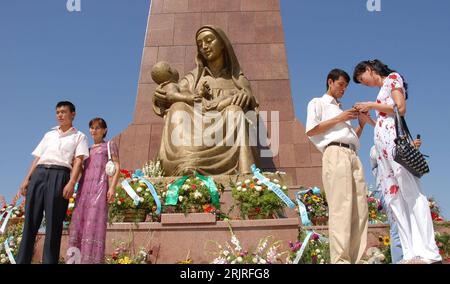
x=172 y=193
x=213 y=191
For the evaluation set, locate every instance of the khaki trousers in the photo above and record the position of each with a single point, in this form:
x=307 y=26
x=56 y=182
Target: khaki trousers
x=346 y=193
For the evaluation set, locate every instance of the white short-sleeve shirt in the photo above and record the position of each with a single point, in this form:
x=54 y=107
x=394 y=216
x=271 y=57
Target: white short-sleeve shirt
x=323 y=109
x=59 y=148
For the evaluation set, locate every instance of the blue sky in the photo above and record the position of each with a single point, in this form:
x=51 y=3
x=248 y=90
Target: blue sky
x=93 y=57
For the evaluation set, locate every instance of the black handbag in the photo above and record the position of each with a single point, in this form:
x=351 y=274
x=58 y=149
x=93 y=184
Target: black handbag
x=404 y=152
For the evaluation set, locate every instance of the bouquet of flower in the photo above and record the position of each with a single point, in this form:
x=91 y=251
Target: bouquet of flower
x=194 y=196
x=69 y=211
x=435 y=210
x=385 y=247
x=123 y=202
x=13 y=236
x=317 y=251
x=18 y=211
x=153 y=169
x=255 y=200
x=267 y=252
x=123 y=254
x=376 y=213
x=443 y=243
x=316 y=204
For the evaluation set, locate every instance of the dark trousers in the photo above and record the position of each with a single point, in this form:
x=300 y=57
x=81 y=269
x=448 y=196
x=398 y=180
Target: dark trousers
x=44 y=194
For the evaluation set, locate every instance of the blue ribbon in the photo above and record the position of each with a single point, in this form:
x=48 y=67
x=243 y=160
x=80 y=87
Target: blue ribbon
x=139 y=174
x=302 y=208
x=272 y=186
x=155 y=196
x=8 y=251
x=300 y=252
x=130 y=191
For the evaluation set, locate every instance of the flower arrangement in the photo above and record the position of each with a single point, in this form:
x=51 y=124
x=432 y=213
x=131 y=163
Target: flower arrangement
x=153 y=169
x=385 y=247
x=266 y=252
x=14 y=237
x=123 y=203
x=375 y=208
x=255 y=200
x=124 y=254
x=69 y=211
x=194 y=196
x=316 y=206
x=443 y=243
x=317 y=251
x=435 y=210
x=18 y=211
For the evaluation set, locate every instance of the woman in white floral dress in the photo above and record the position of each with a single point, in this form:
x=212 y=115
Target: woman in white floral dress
x=402 y=190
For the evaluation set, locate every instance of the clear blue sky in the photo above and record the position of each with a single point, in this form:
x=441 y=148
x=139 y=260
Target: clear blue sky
x=92 y=58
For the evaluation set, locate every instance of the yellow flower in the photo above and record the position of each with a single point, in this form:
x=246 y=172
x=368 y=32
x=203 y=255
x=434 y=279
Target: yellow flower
x=72 y=200
x=125 y=260
x=386 y=241
x=315 y=198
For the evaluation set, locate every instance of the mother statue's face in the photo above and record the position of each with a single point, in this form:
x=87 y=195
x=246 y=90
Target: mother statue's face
x=209 y=45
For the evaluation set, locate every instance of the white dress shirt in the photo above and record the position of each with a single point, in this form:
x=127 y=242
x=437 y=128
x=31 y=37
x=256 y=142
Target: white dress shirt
x=59 y=148
x=323 y=109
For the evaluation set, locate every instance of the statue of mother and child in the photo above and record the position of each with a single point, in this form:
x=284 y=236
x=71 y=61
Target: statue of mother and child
x=217 y=85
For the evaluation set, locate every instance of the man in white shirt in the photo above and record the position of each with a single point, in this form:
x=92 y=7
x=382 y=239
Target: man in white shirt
x=50 y=183
x=330 y=130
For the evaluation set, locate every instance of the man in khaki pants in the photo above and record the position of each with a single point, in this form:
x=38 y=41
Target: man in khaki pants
x=329 y=128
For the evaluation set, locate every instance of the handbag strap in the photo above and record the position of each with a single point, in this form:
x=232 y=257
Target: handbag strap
x=401 y=128
x=109 y=151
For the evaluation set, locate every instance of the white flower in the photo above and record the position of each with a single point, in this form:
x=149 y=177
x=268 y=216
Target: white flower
x=229 y=258
x=139 y=189
x=262 y=261
x=275 y=180
x=239 y=259
x=148 y=189
x=3 y=260
x=322 y=261
x=71 y=205
x=197 y=178
x=185 y=187
x=284 y=187
x=141 y=199
x=226 y=253
x=119 y=203
x=319 y=256
x=197 y=195
x=238 y=188
x=255 y=260
x=238 y=183
x=117 y=194
x=146 y=194
x=164 y=194
x=233 y=262
x=2 y=255
x=258 y=188
x=254 y=178
x=247 y=181
x=19 y=239
x=14 y=215
x=317 y=250
x=180 y=198
x=188 y=180
x=259 y=182
x=244 y=189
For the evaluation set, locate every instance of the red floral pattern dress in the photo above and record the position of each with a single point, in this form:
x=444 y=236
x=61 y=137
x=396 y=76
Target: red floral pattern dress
x=384 y=139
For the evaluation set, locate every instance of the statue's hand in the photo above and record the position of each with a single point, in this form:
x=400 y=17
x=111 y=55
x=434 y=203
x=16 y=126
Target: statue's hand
x=161 y=95
x=242 y=99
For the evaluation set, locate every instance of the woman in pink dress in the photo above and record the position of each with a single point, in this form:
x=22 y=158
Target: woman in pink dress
x=96 y=189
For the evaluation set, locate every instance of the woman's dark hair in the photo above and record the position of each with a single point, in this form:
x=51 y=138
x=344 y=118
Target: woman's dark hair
x=378 y=67
x=335 y=74
x=101 y=122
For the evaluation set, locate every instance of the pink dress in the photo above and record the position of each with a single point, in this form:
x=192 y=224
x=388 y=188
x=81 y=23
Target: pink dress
x=89 y=220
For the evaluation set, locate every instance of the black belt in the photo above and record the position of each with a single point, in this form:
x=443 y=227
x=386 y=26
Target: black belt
x=349 y=146
x=53 y=167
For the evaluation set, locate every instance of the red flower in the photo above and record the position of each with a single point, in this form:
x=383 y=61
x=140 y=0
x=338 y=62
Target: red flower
x=257 y=210
x=126 y=173
x=393 y=76
x=121 y=199
x=208 y=208
x=394 y=189
x=68 y=212
x=194 y=187
x=434 y=216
